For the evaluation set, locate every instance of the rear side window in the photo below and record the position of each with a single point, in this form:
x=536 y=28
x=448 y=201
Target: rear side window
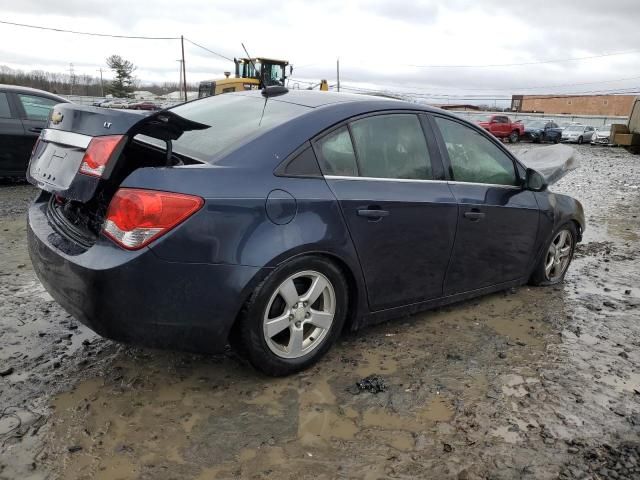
x=37 y=108
x=336 y=154
x=392 y=146
x=5 y=111
x=474 y=158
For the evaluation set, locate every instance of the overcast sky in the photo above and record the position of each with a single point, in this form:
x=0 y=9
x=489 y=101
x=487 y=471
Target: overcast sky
x=379 y=42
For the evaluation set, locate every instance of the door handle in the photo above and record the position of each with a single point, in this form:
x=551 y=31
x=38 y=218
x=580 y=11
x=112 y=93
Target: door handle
x=35 y=129
x=372 y=213
x=474 y=215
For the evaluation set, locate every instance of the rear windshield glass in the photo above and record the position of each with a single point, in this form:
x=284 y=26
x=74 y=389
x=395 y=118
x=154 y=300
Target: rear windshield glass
x=232 y=120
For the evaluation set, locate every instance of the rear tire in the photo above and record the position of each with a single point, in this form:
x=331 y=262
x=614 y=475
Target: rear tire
x=554 y=263
x=580 y=140
x=280 y=332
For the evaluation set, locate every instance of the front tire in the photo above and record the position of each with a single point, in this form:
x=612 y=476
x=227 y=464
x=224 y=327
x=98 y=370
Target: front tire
x=514 y=137
x=294 y=316
x=554 y=263
x=580 y=140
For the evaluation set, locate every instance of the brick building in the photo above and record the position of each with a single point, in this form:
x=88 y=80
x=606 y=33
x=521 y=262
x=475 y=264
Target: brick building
x=609 y=105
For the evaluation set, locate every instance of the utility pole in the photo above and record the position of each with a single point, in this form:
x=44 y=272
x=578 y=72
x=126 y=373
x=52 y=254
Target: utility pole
x=101 y=82
x=71 y=78
x=338 y=72
x=184 y=69
x=180 y=81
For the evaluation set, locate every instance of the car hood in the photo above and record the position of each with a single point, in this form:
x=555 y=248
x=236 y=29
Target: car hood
x=552 y=162
x=533 y=130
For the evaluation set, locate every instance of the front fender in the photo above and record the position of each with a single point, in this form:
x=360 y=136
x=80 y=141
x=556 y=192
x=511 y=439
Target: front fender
x=556 y=210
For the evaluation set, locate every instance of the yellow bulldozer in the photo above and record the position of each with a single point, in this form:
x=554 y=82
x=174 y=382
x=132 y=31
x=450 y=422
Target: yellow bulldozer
x=250 y=74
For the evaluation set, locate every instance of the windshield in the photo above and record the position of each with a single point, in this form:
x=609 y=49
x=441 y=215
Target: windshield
x=534 y=124
x=606 y=128
x=575 y=128
x=233 y=119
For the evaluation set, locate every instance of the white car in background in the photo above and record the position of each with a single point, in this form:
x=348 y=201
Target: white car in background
x=602 y=136
x=577 y=133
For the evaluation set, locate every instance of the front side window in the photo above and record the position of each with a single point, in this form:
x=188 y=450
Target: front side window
x=336 y=154
x=392 y=146
x=473 y=157
x=37 y=108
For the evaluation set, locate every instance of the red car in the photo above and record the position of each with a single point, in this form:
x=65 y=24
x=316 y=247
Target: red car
x=502 y=127
x=144 y=106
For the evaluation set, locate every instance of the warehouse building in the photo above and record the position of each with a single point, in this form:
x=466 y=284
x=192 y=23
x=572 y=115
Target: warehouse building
x=608 y=105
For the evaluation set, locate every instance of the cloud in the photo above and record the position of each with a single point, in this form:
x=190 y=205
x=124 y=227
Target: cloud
x=377 y=41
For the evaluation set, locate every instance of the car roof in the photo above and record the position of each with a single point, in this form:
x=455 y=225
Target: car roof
x=34 y=91
x=315 y=99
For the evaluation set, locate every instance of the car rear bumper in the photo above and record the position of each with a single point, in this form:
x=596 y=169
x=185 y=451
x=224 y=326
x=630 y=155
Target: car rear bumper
x=136 y=297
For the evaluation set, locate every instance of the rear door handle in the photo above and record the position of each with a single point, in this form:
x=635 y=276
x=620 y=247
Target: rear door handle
x=372 y=213
x=36 y=129
x=474 y=215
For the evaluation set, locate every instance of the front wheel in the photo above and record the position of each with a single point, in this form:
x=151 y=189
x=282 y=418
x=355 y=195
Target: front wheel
x=553 y=265
x=294 y=316
x=514 y=137
x=580 y=140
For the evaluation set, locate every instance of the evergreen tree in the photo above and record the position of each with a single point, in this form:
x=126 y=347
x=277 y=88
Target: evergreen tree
x=122 y=86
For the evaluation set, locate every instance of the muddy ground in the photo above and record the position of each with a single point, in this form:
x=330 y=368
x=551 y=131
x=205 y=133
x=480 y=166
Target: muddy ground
x=529 y=383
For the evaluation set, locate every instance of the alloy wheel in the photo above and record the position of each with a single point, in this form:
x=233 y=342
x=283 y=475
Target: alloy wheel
x=558 y=256
x=299 y=314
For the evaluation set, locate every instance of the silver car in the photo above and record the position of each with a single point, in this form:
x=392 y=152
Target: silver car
x=602 y=136
x=577 y=133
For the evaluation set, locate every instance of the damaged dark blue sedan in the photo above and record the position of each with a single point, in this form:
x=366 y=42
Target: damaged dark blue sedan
x=273 y=220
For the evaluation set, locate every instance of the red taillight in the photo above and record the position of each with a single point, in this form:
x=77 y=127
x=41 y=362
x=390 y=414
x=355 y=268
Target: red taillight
x=136 y=217
x=98 y=154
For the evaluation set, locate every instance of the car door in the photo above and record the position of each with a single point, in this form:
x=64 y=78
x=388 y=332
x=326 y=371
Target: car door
x=588 y=134
x=498 y=219
x=400 y=212
x=35 y=110
x=504 y=126
x=12 y=161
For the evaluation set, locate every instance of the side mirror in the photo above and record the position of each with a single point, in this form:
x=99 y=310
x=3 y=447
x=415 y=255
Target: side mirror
x=535 y=181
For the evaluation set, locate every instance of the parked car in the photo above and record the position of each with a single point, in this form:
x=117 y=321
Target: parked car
x=146 y=105
x=539 y=131
x=118 y=103
x=502 y=127
x=23 y=114
x=277 y=219
x=602 y=136
x=577 y=133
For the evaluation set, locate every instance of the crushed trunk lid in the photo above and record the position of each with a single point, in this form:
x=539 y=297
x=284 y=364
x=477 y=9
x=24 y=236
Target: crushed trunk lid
x=58 y=154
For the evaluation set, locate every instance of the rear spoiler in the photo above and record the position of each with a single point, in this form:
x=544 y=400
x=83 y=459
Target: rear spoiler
x=58 y=154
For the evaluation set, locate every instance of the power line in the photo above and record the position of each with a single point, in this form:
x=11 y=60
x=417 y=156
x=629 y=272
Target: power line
x=208 y=49
x=538 y=62
x=91 y=34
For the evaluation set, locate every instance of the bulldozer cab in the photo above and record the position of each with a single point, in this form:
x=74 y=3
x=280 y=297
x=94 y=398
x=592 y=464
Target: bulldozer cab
x=250 y=74
x=266 y=70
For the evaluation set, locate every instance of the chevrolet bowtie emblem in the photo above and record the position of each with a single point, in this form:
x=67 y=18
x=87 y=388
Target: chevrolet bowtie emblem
x=56 y=118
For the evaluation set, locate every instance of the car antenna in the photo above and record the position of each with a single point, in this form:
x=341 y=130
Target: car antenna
x=265 y=91
x=260 y=82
